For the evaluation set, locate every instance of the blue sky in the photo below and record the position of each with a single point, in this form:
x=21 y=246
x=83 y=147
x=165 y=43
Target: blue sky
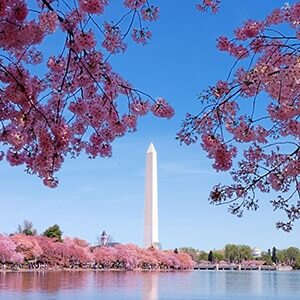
x=180 y=61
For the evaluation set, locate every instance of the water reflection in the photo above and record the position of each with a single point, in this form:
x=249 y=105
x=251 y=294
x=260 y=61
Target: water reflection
x=150 y=285
x=49 y=282
x=144 y=284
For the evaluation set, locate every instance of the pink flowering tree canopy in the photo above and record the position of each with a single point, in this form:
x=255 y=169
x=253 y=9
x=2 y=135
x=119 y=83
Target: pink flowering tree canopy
x=249 y=123
x=77 y=253
x=68 y=99
x=8 y=251
x=27 y=245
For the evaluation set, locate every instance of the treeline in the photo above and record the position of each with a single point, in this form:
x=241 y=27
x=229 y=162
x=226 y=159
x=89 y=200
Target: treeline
x=41 y=252
x=233 y=253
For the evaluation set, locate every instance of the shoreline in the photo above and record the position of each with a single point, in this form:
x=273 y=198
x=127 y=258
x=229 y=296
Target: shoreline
x=52 y=270
x=35 y=270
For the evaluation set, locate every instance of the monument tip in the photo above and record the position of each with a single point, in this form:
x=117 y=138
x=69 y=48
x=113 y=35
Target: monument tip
x=151 y=148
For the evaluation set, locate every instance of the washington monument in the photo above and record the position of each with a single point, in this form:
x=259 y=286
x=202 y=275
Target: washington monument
x=151 y=213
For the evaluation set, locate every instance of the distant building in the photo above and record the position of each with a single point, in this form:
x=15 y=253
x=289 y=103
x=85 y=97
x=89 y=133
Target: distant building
x=103 y=238
x=256 y=252
x=113 y=244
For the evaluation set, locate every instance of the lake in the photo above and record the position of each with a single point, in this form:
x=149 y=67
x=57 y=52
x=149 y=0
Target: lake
x=200 y=285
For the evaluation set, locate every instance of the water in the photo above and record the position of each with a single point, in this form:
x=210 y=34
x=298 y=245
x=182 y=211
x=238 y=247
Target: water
x=200 y=285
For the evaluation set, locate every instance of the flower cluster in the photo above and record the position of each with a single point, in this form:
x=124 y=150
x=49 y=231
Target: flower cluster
x=162 y=109
x=84 y=41
x=219 y=152
x=141 y=35
x=113 y=41
x=212 y=5
x=139 y=107
x=150 y=13
x=134 y=4
x=237 y=50
x=93 y=6
x=250 y=30
x=48 y=21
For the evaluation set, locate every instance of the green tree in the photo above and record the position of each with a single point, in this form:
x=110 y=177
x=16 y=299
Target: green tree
x=53 y=232
x=202 y=255
x=26 y=228
x=218 y=256
x=293 y=257
x=231 y=252
x=210 y=256
x=282 y=256
x=245 y=252
x=237 y=253
x=267 y=258
x=274 y=255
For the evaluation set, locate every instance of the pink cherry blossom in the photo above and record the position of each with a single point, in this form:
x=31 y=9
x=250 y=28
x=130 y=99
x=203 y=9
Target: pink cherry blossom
x=60 y=103
x=141 y=36
x=8 y=252
x=162 y=109
x=93 y=6
x=113 y=42
x=84 y=41
x=27 y=246
x=150 y=13
x=48 y=21
x=77 y=253
x=249 y=30
x=212 y=5
x=258 y=106
x=139 y=107
x=134 y=4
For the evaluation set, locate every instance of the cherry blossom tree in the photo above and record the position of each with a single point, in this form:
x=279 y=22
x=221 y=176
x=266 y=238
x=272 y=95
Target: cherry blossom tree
x=185 y=261
x=79 y=252
x=69 y=253
x=8 y=253
x=27 y=246
x=146 y=259
x=126 y=257
x=249 y=123
x=70 y=100
x=129 y=257
x=105 y=257
x=62 y=254
x=162 y=258
x=50 y=255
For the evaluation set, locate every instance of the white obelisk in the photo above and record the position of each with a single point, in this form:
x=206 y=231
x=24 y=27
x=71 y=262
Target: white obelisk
x=151 y=210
